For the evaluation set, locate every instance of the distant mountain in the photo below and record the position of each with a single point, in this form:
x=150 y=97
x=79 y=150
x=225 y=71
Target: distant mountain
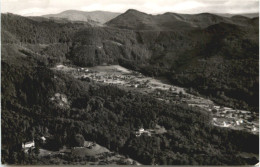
x=136 y=20
x=75 y=15
x=133 y=19
x=248 y=15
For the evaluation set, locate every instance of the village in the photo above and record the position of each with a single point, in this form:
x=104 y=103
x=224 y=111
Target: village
x=236 y=119
x=116 y=75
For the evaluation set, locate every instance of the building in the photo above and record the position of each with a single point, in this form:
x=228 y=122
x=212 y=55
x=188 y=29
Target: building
x=225 y=124
x=88 y=144
x=142 y=131
x=254 y=129
x=29 y=144
x=43 y=139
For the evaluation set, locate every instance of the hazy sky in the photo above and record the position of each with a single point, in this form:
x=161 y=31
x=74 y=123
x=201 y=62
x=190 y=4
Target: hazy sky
x=41 y=7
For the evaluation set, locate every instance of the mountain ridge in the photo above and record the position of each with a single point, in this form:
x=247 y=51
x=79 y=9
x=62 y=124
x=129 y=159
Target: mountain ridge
x=137 y=20
x=76 y=15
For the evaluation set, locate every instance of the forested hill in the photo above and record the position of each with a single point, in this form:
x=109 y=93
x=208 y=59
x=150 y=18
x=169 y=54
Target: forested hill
x=217 y=58
x=37 y=31
x=216 y=55
x=76 y=15
x=136 y=20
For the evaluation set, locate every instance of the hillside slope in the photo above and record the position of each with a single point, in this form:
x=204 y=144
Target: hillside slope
x=220 y=60
x=211 y=53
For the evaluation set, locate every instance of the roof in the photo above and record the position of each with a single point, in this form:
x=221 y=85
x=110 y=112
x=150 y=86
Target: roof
x=43 y=138
x=29 y=142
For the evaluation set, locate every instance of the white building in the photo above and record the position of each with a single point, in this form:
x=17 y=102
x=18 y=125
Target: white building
x=43 y=139
x=60 y=66
x=254 y=129
x=28 y=145
x=225 y=124
x=141 y=131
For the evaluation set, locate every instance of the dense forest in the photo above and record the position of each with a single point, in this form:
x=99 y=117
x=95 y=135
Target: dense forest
x=220 y=61
x=109 y=116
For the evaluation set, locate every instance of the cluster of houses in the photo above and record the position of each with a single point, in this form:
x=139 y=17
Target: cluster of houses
x=230 y=118
x=110 y=78
x=236 y=119
x=223 y=116
x=130 y=79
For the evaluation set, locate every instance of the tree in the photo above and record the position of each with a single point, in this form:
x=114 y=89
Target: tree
x=77 y=141
x=37 y=150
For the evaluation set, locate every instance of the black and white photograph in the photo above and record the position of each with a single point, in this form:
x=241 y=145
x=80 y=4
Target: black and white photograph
x=130 y=82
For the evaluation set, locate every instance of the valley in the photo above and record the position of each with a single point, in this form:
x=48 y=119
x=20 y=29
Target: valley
x=224 y=117
x=104 y=88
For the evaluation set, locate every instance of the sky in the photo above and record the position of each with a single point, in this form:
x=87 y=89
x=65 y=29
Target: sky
x=41 y=7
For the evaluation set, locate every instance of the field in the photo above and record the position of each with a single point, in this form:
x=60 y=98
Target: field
x=94 y=155
x=94 y=151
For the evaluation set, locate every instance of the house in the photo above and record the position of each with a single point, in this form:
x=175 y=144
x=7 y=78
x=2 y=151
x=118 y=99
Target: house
x=138 y=134
x=254 y=129
x=43 y=139
x=222 y=115
x=64 y=99
x=229 y=115
x=29 y=144
x=142 y=131
x=60 y=66
x=225 y=124
x=88 y=144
